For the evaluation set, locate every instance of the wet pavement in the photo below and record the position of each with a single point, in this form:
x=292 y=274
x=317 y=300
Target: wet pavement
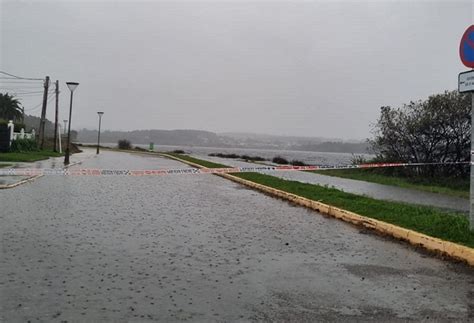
x=55 y=162
x=377 y=191
x=201 y=248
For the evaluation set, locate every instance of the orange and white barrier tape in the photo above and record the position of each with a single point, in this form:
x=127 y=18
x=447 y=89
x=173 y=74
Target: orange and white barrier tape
x=195 y=171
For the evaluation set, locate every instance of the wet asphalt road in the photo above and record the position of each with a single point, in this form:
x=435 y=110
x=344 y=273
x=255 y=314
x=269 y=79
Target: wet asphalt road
x=377 y=191
x=201 y=248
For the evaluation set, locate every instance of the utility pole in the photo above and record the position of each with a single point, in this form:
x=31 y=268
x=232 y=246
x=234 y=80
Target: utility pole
x=56 y=116
x=43 y=112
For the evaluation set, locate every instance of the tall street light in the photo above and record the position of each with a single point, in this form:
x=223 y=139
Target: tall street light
x=98 y=136
x=72 y=86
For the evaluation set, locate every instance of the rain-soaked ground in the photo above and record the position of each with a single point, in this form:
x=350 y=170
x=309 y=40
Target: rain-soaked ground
x=377 y=191
x=56 y=162
x=201 y=248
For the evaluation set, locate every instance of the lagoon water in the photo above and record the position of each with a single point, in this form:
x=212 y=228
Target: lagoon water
x=308 y=157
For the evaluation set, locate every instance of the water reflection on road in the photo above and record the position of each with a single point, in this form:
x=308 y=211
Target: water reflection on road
x=201 y=248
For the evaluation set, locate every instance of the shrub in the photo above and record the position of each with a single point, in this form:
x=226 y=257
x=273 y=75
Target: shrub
x=257 y=158
x=178 y=151
x=22 y=145
x=298 y=163
x=358 y=159
x=221 y=155
x=280 y=160
x=124 y=144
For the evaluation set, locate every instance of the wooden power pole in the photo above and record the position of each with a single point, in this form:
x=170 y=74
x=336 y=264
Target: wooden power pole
x=56 y=117
x=43 y=112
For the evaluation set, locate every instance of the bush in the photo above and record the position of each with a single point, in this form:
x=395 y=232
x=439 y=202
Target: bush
x=257 y=158
x=221 y=155
x=178 y=151
x=252 y=158
x=358 y=159
x=23 y=145
x=280 y=160
x=298 y=163
x=124 y=144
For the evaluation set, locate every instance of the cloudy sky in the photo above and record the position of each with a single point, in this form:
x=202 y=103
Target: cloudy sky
x=311 y=68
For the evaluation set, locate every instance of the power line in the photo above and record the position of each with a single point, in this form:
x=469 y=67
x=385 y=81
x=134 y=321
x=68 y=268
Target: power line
x=21 y=78
x=29 y=92
x=50 y=96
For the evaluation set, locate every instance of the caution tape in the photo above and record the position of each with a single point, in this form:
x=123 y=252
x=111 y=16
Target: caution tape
x=196 y=171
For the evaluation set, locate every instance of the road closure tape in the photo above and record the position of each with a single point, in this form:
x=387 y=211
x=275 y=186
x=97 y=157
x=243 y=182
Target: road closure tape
x=195 y=171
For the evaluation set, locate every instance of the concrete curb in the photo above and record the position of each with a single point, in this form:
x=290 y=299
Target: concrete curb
x=31 y=179
x=436 y=245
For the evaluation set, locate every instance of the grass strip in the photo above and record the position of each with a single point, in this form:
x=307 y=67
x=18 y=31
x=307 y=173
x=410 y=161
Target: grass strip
x=435 y=222
x=30 y=156
x=201 y=162
x=5 y=165
x=458 y=188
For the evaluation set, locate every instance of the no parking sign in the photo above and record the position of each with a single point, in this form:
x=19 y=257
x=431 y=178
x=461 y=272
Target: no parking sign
x=466 y=47
x=466 y=52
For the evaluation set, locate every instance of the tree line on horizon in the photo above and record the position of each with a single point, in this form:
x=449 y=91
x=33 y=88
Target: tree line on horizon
x=435 y=130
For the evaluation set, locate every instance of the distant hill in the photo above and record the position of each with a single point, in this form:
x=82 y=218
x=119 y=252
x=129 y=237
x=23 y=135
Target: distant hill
x=227 y=140
x=32 y=122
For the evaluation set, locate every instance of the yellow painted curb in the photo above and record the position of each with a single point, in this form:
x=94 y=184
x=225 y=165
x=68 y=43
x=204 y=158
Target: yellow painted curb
x=29 y=179
x=436 y=245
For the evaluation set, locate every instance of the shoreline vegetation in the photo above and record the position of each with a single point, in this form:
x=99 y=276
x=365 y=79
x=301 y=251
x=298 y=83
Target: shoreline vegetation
x=448 y=225
x=448 y=186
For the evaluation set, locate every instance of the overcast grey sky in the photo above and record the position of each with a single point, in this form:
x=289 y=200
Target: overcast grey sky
x=312 y=68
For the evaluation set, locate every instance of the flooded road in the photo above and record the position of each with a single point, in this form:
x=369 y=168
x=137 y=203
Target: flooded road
x=201 y=248
x=377 y=191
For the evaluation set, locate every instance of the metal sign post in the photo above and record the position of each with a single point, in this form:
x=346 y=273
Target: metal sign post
x=466 y=84
x=471 y=192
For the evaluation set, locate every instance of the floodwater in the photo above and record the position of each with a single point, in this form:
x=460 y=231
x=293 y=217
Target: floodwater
x=377 y=191
x=309 y=157
x=201 y=248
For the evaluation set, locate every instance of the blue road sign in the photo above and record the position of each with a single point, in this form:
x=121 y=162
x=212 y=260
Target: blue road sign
x=466 y=48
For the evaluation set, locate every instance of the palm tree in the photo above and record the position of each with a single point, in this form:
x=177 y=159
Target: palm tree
x=10 y=108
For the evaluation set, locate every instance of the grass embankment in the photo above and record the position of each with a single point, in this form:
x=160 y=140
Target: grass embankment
x=201 y=162
x=451 y=226
x=452 y=187
x=30 y=156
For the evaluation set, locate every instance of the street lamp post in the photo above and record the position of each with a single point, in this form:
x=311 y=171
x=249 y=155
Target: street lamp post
x=72 y=86
x=98 y=136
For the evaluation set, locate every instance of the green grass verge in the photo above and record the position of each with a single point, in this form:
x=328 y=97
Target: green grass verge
x=204 y=163
x=451 y=226
x=30 y=156
x=5 y=165
x=452 y=187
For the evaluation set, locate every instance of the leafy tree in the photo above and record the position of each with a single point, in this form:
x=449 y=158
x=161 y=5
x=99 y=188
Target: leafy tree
x=435 y=130
x=10 y=108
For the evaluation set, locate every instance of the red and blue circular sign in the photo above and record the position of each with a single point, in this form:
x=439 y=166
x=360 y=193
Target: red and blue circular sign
x=466 y=48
